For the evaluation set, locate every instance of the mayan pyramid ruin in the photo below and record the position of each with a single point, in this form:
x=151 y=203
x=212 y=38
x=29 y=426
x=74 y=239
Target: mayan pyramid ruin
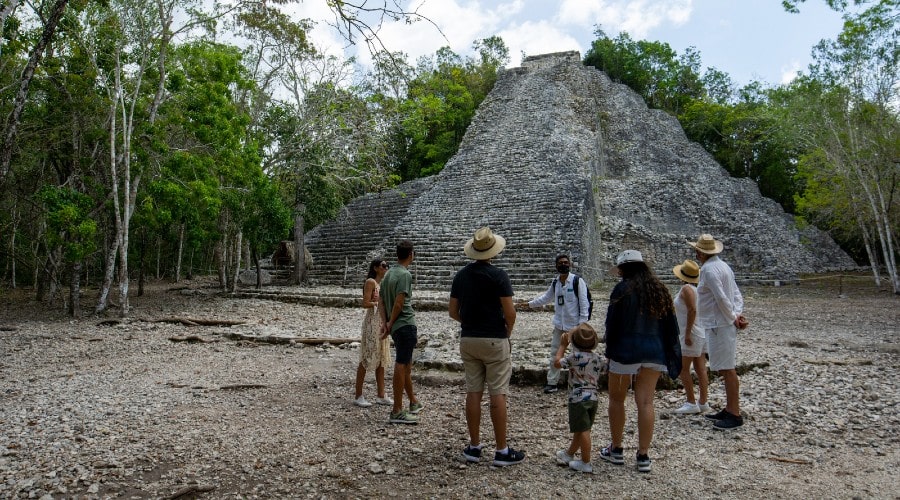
x=559 y=159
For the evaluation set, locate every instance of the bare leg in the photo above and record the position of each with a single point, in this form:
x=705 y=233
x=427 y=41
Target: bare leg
x=407 y=383
x=644 y=390
x=732 y=390
x=379 y=380
x=498 y=419
x=702 y=378
x=618 y=389
x=574 y=446
x=583 y=440
x=686 y=380
x=473 y=417
x=360 y=378
x=398 y=385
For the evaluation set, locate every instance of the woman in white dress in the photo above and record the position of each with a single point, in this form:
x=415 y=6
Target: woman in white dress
x=693 y=339
x=374 y=352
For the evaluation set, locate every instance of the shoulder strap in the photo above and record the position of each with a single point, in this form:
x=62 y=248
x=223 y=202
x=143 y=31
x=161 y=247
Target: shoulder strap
x=575 y=281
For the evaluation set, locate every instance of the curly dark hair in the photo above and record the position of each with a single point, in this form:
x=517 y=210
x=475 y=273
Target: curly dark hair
x=651 y=293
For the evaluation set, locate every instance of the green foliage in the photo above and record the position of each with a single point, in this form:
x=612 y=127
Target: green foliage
x=69 y=224
x=652 y=69
x=440 y=103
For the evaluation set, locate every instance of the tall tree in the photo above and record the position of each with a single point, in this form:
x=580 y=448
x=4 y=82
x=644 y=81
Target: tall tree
x=12 y=120
x=852 y=128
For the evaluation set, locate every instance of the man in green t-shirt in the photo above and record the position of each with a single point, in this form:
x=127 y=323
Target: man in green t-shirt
x=400 y=324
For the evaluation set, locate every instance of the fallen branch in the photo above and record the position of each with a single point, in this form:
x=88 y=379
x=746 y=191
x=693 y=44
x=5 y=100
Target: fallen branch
x=4 y=328
x=198 y=322
x=839 y=362
x=191 y=490
x=191 y=339
x=241 y=387
x=272 y=339
x=790 y=460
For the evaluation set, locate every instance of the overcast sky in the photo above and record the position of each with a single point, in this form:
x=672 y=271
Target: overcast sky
x=748 y=39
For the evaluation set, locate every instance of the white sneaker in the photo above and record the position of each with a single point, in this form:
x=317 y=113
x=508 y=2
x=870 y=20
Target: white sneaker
x=384 y=401
x=581 y=466
x=563 y=458
x=361 y=402
x=705 y=408
x=688 y=409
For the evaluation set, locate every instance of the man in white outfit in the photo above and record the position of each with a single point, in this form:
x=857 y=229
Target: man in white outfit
x=719 y=312
x=571 y=308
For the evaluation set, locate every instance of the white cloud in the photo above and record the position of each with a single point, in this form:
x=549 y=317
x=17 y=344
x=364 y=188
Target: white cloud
x=457 y=26
x=790 y=71
x=637 y=17
x=536 y=38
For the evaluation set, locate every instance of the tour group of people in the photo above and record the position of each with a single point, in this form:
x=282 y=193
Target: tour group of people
x=647 y=333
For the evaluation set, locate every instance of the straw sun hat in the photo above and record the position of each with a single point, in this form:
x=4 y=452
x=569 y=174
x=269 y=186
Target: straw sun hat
x=707 y=244
x=688 y=271
x=484 y=245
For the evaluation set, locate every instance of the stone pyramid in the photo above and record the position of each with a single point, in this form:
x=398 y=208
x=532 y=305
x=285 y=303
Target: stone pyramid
x=559 y=159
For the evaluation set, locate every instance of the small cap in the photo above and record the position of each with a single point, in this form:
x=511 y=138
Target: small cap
x=629 y=256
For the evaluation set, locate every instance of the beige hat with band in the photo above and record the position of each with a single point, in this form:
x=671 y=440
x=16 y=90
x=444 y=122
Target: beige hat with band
x=707 y=244
x=688 y=271
x=484 y=245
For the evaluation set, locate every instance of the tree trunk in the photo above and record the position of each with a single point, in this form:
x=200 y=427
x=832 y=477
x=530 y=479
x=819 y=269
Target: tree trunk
x=180 y=252
x=75 y=291
x=258 y=269
x=299 y=274
x=108 y=274
x=12 y=246
x=158 y=255
x=237 y=260
x=141 y=252
x=220 y=263
x=12 y=121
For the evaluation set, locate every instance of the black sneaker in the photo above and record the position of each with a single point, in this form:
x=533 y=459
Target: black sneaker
x=729 y=422
x=511 y=457
x=472 y=454
x=643 y=463
x=550 y=389
x=719 y=415
x=612 y=455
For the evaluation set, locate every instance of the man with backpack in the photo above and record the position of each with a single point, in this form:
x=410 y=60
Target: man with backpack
x=572 y=306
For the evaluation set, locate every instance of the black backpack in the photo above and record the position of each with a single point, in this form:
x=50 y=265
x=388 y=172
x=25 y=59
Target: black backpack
x=575 y=281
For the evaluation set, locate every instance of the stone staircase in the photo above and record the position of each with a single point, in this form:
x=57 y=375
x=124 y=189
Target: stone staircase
x=559 y=159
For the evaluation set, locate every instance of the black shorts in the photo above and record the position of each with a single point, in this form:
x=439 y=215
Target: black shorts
x=405 y=339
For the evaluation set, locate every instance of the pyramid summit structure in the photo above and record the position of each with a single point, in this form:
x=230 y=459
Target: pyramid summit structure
x=559 y=159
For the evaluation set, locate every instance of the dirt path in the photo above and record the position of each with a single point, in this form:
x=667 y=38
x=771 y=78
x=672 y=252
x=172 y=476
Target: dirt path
x=93 y=411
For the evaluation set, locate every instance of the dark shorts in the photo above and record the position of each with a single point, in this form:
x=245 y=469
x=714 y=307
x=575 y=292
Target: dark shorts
x=581 y=416
x=405 y=339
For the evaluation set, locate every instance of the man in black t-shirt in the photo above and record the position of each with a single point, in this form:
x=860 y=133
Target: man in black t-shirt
x=481 y=300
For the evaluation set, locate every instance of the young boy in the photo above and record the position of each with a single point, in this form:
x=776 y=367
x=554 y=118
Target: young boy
x=585 y=368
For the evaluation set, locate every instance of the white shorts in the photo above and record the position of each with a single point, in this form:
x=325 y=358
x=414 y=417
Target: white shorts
x=698 y=339
x=632 y=369
x=722 y=342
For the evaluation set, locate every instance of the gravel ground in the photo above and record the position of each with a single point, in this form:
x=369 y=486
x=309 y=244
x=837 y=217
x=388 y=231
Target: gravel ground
x=96 y=410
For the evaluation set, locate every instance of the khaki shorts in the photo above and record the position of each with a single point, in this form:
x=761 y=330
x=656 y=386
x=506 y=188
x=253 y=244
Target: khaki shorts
x=486 y=361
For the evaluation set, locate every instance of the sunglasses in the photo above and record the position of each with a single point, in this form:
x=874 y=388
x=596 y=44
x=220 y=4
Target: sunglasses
x=383 y=265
